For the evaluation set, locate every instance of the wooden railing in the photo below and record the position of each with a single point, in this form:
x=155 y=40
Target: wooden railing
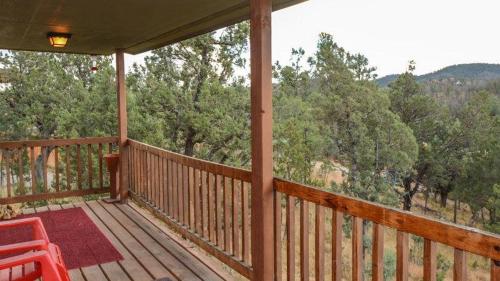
x=57 y=168
x=205 y=202
x=208 y=203
x=322 y=214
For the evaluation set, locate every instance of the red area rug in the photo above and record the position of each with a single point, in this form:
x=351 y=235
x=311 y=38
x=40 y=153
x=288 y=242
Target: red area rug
x=82 y=243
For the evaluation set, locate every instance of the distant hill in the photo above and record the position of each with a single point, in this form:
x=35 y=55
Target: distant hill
x=472 y=71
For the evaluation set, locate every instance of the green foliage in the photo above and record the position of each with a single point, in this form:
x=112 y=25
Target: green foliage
x=365 y=136
x=187 y=99
x=56 y=95
x=389 y=265
x=478 y=185
x=443 y=265
x=417 y=250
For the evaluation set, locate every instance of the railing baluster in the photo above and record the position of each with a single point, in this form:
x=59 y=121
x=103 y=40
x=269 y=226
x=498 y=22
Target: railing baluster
x=180 y=193
x=101 y=181
x=191 y=198
x=133 y=167
x=197 y=202
x=227 y=214
x=218 y=236
x=149 y=166
x=246 y=224
x=21 y=171
x=157 y=180
x=175 y=190
x=146 y=185
x=402 y=256
x=56 y=167
x=210 y=208
x=430 y=265
x=495 y=271
x=67 y=151
x=337 y=221
x=154 y=179
x=138 y=166
x=79 y=168
x=378 y=253
x=185 y=192
x=151 y=188
x=171 y=194
x=89 y=166
x=459 y=265
x=304 y=240
x=277 y=236
x=290 y=238
x=7 y=170
x=161 y=183
x=236 y=223
x=33 y=171
x=204 y=209
x=165 y=184
x=319 y=264
x=357 y=249
x=45 y=157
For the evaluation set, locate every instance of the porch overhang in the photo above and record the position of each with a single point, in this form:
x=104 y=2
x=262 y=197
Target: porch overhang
x=101 y=27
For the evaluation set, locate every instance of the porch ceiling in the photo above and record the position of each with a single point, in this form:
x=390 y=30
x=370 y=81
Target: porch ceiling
x=101 y=27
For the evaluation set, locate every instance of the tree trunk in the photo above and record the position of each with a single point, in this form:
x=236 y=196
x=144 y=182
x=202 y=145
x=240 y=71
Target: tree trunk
x=408 y=194
x=189 y=143
x=455 y=207
x=444 y=198
x=473 y=219
x=493 y=216
x=39 y=163
x=426 y=204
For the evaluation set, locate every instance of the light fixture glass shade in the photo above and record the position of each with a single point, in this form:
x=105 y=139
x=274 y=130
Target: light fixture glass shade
x=58 y=40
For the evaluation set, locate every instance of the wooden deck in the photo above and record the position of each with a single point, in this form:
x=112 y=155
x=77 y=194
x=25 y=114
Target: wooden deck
x=150 y=250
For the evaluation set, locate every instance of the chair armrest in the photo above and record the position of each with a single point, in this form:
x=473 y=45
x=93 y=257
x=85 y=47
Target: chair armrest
x=23 y=247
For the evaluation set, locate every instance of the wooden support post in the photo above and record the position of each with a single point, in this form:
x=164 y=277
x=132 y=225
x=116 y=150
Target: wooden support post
x=262 y=147
x=122 y=124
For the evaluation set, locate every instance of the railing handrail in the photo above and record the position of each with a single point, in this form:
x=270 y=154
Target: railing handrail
x=465 y=238
x=55 y=142
x=212 y=167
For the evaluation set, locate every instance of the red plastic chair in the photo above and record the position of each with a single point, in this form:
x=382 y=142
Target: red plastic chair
x=32 y=259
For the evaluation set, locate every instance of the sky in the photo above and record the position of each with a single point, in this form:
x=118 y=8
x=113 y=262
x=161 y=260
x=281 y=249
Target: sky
x=390 y=33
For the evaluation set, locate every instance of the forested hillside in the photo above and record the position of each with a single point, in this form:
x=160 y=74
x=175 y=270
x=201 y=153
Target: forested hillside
x=391 y=144
x=457 y=73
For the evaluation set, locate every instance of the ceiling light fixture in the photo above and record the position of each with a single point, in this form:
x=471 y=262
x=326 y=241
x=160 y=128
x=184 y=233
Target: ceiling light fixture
x=58 y=40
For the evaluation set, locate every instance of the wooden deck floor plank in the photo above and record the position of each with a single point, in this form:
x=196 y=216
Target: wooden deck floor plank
x=189 y=260
x=211 y=262
x=165 y=257
x=131 y=266
x=76 y=275
x=154 y=267
x=41 y=209
x=27 y=211
x=93 y=273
